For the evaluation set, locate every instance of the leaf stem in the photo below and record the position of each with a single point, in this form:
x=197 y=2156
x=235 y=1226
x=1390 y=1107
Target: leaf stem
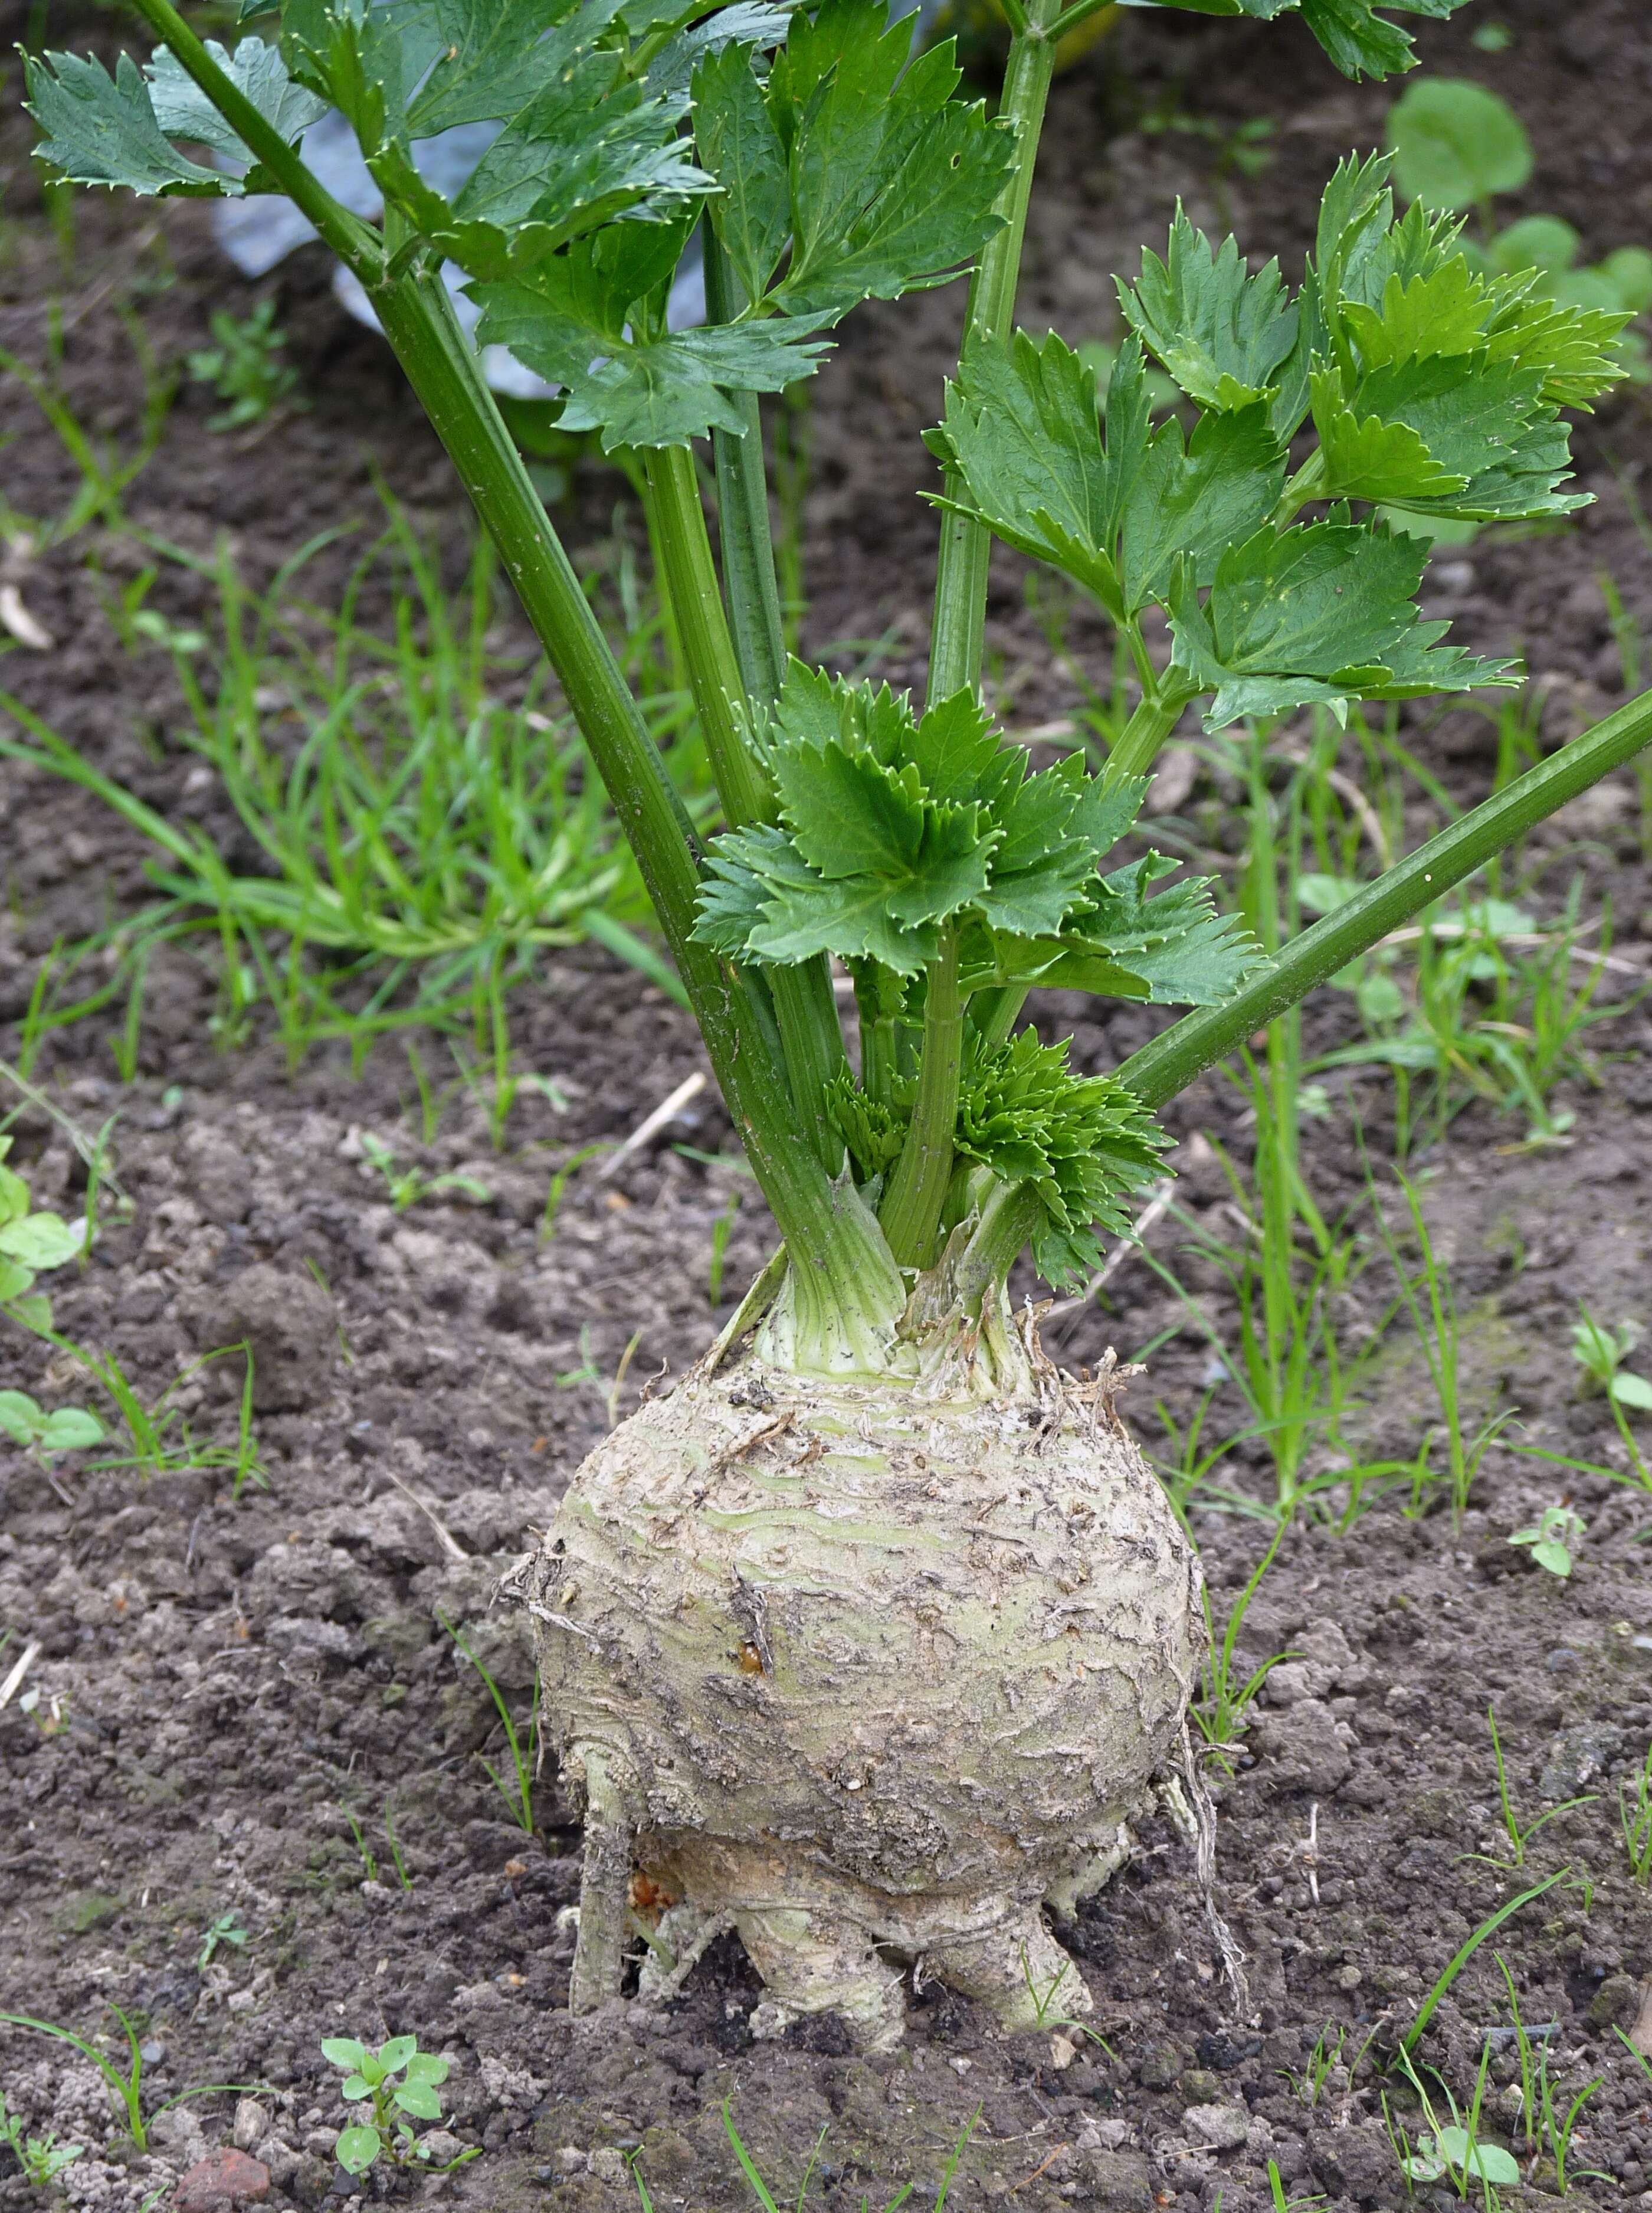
x=805 y=1010
x=1188 y=1047
x=911 y=1213
x=959 y=639
x=356 y=243
x=1137 y=745
x=743 y=524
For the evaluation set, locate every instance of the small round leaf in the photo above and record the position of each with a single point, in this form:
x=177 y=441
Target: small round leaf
x=71 y=1428
x=344 y=2051
x=1632 y=1391
x=1455 y=143
x=357 y=2147
x=1536 y=241
x=21 y=1418
x=1555 y=1557
x=396 y=2053
x=420 y=2099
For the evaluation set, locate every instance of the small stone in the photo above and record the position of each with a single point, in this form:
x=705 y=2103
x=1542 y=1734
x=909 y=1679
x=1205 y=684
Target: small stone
x=1115 y=2182
x=608 y=2165
x=252 y=2125
x=224 y=2179
x=1616 y=2004
x=152 y=2051
x=1221 y=2128
x=440 y=2146
x=1160 y=2069
x=1063 y=2052
x=1348 y=1977
x=1202 y=2087
x=570 y=2160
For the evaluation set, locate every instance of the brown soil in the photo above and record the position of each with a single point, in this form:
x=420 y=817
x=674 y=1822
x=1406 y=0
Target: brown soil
x=223 y=1678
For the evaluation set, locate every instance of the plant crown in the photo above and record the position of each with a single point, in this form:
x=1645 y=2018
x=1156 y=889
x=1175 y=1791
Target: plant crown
x=823 y=162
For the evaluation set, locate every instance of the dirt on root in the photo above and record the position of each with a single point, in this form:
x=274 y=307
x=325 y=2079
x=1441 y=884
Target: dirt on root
x=225 y=1683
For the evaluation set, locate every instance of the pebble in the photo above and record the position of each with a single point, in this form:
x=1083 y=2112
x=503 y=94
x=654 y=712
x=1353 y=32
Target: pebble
x=608 y=2165
x=252 y=2125
x=224 y=2179
x=1221 y=2128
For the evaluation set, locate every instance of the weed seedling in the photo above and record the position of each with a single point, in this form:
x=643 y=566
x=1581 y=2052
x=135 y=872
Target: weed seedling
x=518 y=1792
x=1221 y=1711
x=1635 y=1814
x=226 y=1930
x=398 y=2084
x=407 y=1186
x=1600 y=1352
x=1281 y=2202
x=1554 y=1538
x=1546 y=2130
x=125 y=2090
x=65 y=1430
x=1518 y=1837
x=32 y=1242
x=41 y=2158
x=244 y=367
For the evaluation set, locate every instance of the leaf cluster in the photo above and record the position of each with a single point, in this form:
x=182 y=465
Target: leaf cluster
x=845 y=170
x=1079 y=1144
x=900 y=837
x=1359 y=39
x=372 y=2078
x=1427 y=385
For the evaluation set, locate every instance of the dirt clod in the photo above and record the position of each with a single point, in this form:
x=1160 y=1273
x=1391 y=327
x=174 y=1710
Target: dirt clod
x=224 y=2179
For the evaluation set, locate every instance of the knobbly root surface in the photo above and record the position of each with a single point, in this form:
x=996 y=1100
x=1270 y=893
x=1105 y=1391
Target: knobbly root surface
x=866 y=1674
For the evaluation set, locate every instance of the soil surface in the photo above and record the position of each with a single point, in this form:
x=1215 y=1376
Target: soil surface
x=243 y=1699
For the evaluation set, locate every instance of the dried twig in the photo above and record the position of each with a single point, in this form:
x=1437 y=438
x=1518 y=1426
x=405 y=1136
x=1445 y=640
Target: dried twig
x=666 y=1111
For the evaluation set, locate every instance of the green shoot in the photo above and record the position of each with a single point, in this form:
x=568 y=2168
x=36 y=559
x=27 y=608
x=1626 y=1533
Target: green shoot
x=33 y=1242
x=65 y=1430
x=1552 y=1538
x=721 y=1230
x=1281 y=2202
x=517 y=1791
x=1635 y=1816
x=1518 y=1837
x=405 y=1186
x=369 y=1865
x=394 y=1841
x=1546 y=2130
x=244 y=367
x=41 y=2158
x=1452 y=2151
x=1221 y=1709
x=397 y=2084
x=125 y=2088
x=227 y=1928
x=1600 y=1352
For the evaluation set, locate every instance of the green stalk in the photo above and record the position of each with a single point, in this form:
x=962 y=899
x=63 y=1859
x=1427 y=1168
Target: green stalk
x=1000 y=1237
x=1188 y=1047
x=356 y=243
x=1137 y=745
x=743 y=523
x=805 y=1010
x=917 y=1188
x=714 y=673
x=849 y=1292
x=912 y=1211
x=959 y=639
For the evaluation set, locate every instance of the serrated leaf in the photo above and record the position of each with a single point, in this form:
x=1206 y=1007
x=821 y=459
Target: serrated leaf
x=748 y=24
x=739 y=146
x=101 y=129
x=676 y=388
x=1424 y=428
x=1021 y=430
x=496 y=57
x=1196 y=499
x=1443 y=312
x=182 y=110
x=893 y=182
x=587 y=149
x=1221 y=332
x=1320 y=612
